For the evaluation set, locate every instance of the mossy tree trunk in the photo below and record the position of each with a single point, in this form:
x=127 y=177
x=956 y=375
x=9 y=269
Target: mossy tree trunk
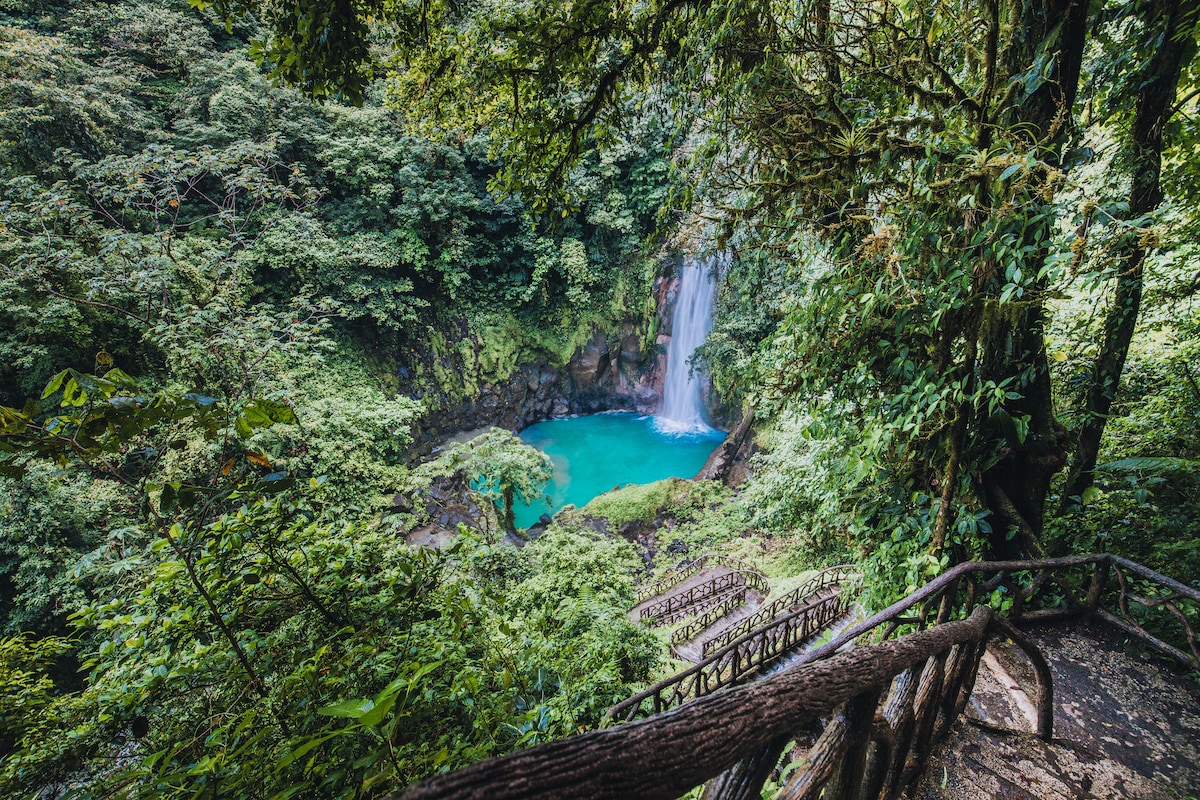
x=1012 y=344
x=507 y=514
x=1155 y=86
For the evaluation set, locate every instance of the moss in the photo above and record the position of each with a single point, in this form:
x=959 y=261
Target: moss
x=469 y=356
x=715 y=527
x=454 y=366
x=500 y=346
x=437 y=371
x=458 y=356
x=675 y=497
x=631 y=504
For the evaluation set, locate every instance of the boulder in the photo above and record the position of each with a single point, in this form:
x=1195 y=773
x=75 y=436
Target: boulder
x=731 y=452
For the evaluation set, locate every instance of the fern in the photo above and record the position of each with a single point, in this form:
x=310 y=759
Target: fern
x=1150 y=465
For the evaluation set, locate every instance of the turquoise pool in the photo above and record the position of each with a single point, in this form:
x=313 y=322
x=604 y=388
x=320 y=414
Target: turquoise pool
x=595 y=453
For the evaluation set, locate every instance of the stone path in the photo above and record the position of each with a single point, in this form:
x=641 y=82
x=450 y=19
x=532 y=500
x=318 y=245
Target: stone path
x=1125 y=725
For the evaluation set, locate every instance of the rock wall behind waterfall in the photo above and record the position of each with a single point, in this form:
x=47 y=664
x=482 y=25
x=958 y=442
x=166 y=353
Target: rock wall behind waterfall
x=616 y=365
x=609 y=372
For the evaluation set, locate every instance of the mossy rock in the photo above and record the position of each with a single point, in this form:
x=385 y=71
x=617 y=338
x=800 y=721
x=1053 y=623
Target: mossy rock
x=674 y=498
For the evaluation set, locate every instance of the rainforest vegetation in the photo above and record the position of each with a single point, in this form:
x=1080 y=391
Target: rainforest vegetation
x=257 y=259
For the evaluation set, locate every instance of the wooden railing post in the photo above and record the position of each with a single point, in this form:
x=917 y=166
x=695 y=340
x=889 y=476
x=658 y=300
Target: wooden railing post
x=745 y=779
x=822 y=760
x=898 y=718
x=926 y=704
x=960 y=668
x=860 y=722
x=946 y=606
x=1096 y=588
x=966 y=683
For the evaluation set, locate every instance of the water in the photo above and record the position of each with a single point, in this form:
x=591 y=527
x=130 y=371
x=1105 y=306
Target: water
x=683 y=396
x=596 y=453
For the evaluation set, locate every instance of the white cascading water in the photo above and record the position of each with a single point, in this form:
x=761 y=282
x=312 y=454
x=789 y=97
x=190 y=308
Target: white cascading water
x=683 y=397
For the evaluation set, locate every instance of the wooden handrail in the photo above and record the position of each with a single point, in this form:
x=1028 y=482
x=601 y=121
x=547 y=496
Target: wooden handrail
x=700 y=606
x=666 y=755
x=672 y=578
x=685 y=603
x=1102 y=565
x=668 y=609
x=738 y=661
x=686 y=632
x=696 y=565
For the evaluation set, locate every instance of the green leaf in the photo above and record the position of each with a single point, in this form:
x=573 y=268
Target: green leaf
x=374 y=715
x=264 y=413
x=244 y=431
x=203 y=401
x=73 y=394
x=188 y=495
x=303 y=749
x=55 y=383
x=120 y=379
x=169 y=497
x=1151 y=465
x=274 y=483
x=348 y=709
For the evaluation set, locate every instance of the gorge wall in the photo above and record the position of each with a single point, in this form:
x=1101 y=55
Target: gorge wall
x=616 y=365
x=611 y=371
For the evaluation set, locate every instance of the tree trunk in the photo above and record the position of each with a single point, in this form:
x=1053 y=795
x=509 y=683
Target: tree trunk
x=1017 y=485
x=1157 y=84
x=1012 y=343
x=509 y=516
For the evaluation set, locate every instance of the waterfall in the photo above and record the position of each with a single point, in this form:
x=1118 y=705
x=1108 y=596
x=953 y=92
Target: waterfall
x=683 y=399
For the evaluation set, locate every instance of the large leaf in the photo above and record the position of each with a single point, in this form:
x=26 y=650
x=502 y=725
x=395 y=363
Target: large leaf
x=262 y=414
x=303 y=749
x=348 y=709
x=1152 y=465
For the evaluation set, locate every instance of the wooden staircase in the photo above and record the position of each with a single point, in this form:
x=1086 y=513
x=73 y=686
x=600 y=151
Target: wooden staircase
x=709 y=589
x=744 y=651
x=697 y=590
x=824 y=584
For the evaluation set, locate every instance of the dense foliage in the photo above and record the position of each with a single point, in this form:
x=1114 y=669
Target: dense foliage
x=929 y=175
x=204 y=584
x=961 y=304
